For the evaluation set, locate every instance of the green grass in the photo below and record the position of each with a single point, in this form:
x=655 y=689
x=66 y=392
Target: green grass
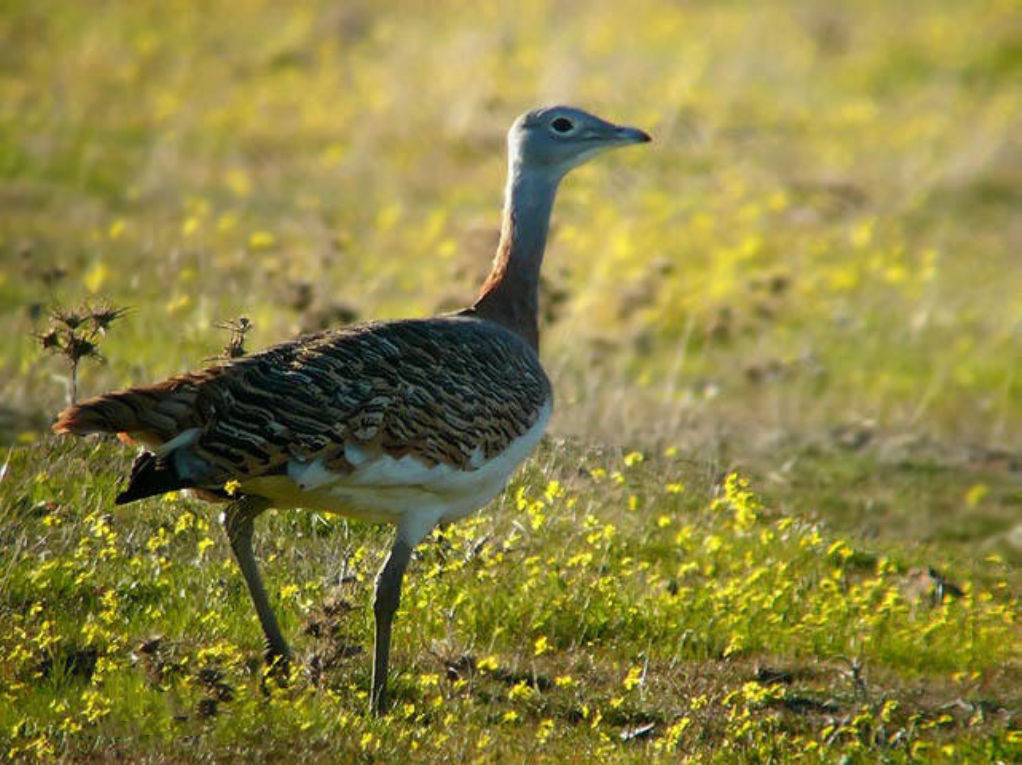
x=809 y=280
x=601 y=594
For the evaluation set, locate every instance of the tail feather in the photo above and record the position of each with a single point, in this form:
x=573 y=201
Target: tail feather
x=103 y=414
x=152 y=414
x=166 y=418
x=150 y=476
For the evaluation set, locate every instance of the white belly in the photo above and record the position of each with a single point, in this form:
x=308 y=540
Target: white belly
x=382 y=488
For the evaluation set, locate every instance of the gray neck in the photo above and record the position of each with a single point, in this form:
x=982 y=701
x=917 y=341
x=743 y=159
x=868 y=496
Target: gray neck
x=510 y=294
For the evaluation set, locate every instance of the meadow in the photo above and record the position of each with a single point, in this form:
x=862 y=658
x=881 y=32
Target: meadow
x=779 y=513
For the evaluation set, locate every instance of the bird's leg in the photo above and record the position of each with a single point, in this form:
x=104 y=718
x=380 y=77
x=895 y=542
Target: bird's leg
x=238 y=519
x=388 y=595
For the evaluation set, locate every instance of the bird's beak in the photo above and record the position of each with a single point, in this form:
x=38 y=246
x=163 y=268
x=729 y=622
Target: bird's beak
x=628 y=135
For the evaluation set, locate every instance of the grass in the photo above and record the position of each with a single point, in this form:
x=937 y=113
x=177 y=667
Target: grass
x=599 y=596
x=778 y=516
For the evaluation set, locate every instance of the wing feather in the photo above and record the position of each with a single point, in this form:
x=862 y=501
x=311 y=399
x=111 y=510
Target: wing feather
x=443 y=390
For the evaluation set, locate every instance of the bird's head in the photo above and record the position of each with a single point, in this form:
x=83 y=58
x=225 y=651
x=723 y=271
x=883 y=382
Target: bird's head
x=555 y=139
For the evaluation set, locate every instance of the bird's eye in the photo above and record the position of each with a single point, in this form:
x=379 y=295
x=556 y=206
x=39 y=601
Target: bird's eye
x=562 y=125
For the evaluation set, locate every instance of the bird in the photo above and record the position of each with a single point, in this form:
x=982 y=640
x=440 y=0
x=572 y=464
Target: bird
x=413 y=422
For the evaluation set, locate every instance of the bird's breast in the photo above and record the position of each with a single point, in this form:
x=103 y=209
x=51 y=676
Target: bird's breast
x=383 y=488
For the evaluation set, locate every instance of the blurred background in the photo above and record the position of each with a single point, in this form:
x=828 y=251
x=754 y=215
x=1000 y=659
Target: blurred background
x=820 y=249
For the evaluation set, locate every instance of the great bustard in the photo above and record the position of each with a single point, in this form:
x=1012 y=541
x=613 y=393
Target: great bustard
x=412 y=422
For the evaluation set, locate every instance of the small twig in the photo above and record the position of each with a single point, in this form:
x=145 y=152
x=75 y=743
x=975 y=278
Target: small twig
x=235 y=347
x=855 y=674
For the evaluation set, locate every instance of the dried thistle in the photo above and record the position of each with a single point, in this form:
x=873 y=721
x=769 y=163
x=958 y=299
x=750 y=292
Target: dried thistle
x=104 y=315
x=70 y=318
x=78 y=348
x=74 y=333
x=50 y=340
